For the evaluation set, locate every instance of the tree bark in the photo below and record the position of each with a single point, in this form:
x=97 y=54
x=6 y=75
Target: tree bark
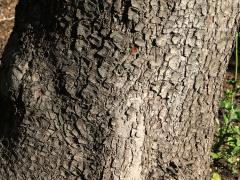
x=120 y=89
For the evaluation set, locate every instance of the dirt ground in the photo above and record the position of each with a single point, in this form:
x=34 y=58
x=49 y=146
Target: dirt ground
x=7 y=11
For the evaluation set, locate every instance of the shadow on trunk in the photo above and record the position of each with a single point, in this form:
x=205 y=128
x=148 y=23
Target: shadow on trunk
x=12 y=108
x=11 y=113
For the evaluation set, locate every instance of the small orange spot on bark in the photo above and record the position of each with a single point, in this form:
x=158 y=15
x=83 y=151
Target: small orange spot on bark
x=38 y=93
x=134 y=50
x=210 y=19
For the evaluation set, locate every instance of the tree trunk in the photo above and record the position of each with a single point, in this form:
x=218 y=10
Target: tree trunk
x=120 y=89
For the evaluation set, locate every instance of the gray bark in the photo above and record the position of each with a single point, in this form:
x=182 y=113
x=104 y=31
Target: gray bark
x=120 y=89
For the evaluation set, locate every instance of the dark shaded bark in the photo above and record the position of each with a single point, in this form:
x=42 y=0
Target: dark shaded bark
x=113 y=89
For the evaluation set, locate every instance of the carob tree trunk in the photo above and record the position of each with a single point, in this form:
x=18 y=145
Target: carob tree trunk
x=122 y=89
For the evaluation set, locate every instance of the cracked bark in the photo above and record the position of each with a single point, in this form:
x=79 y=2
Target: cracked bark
x=119 y=89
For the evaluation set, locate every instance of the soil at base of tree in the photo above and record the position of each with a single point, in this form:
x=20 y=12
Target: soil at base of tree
x=7 y=10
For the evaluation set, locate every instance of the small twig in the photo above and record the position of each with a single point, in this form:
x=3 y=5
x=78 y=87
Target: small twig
x=7 y=19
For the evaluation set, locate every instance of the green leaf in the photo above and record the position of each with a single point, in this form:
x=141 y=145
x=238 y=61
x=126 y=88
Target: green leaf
x=216 y=176
x=226 y=104
x=237 y=114
x=225 y=118
x=232 y=159
x=234 y=170
x=216 y=155
x=232 y=81
x=236 y=150
x=236 y=130
x=228 y=94
x=233 y=114
x=231 y=141
x=238 y=142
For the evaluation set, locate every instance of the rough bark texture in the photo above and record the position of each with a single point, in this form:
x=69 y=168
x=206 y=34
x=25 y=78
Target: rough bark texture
x=122 y=89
